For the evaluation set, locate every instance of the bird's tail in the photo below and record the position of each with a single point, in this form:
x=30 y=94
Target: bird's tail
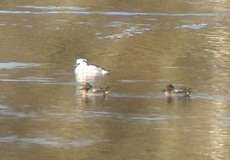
x=105 y=72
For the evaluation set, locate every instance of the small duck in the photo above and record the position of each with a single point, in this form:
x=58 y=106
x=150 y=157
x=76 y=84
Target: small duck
x=88 y=89
x=170 y=90
x=83 y=69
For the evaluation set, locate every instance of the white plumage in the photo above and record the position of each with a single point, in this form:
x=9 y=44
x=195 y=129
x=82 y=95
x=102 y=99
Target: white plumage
x=83 y=69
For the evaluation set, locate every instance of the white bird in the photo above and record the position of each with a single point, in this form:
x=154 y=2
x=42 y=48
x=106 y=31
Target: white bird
x=84 y=69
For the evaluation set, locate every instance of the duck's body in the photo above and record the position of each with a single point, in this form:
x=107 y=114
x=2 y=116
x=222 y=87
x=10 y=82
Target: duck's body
x=88 y=90
x=170 y=90
x=84 y=69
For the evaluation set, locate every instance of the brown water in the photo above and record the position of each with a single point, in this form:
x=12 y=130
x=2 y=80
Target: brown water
x=146 y=44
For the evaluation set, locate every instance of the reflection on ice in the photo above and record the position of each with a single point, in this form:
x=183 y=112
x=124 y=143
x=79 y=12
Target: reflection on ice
x=37 y=79
x=128 y=32
x=135 y=81
x=117 y=24
x=193 y=26
x=13 y=65
x=6 y=112
x=124 y=29
x=128 y=116
x=56 y=142
x=79 y=115
x=2 y=107
x=36 y=10
x=28 y=26
x=2 y=24
x=52 y=7
x=32 y=79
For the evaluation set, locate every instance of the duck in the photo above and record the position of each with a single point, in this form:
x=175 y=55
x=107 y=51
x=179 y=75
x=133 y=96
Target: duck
x=88 y=89
x=170 y=90
x=85 y=69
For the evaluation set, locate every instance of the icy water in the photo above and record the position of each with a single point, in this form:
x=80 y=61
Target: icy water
x=146 y=45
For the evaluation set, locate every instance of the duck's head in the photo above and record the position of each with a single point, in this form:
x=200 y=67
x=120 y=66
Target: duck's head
x=86 y=87
x=169 y=88
x=80 y=61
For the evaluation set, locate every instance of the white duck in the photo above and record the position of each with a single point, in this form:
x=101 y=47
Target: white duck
x=84 y=69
